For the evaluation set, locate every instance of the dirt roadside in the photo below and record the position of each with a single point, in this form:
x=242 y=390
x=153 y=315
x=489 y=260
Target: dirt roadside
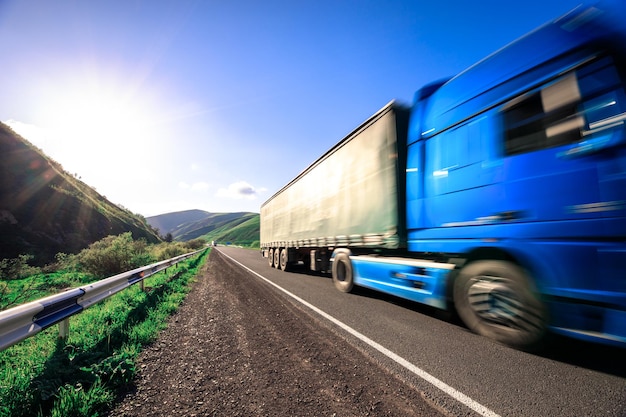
x=237 y=347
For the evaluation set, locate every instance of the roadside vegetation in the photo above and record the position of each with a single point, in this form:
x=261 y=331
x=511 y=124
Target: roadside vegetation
x=80 y=376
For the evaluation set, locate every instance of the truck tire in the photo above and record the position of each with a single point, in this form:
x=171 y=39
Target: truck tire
x=284 y=260
x=277 y=258
x=342 y=272
x=496 y=299
x=270 y=257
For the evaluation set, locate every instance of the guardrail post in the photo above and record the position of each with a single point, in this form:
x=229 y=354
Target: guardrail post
x=142 y=285
x=64 y=329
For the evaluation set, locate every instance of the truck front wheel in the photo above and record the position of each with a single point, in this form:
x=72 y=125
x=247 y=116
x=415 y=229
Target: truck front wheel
x=496 y=299
x=342 y=272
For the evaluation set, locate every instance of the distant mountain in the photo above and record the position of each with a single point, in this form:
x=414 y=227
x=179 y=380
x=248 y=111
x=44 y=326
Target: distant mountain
x=238 y=228
x=45 y=210
x=168 y=223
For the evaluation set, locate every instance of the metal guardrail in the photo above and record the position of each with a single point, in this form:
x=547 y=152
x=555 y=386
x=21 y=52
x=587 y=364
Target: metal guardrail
x=26 y=320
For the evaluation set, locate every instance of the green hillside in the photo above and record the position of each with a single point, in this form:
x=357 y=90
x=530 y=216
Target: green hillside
x=44 y=210
x=243 y=234
x=173 y=222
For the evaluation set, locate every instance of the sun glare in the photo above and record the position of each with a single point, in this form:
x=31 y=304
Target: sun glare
x=99 y=116
x=91 y=131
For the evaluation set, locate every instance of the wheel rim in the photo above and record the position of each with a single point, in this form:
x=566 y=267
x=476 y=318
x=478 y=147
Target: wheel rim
x=341 y=271
x=283 y=259
x=495 y=300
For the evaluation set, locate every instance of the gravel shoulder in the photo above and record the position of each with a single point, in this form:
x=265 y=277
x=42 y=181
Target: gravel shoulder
x=237 y=347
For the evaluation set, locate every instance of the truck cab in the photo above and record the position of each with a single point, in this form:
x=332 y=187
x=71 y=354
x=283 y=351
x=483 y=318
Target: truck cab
x=519 y=163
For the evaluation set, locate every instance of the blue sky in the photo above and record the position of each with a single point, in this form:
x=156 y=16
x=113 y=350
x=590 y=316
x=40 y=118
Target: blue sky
x=164 y=106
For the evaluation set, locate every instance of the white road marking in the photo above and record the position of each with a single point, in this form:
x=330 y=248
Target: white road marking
x=457 y=395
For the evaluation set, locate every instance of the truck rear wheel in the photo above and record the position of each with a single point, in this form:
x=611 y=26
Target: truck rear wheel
x=270 y=257
x=496 y=299
x=342 y=272
x=284 y=260
x=277 y=258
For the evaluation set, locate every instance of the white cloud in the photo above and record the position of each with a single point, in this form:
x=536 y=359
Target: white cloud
x=239 y=190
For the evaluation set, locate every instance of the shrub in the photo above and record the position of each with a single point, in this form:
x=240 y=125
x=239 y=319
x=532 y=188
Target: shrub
x=169 y=250
x=17 y=268
x=195 y=244
x=113 y=255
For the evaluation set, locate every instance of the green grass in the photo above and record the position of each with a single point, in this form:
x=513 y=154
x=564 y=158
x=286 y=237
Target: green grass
x=19 y=291
x=45 y=376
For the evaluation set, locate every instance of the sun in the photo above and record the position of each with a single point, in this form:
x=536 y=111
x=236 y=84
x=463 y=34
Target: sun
x=99 y=114
x=95 y=128
x=114 y=133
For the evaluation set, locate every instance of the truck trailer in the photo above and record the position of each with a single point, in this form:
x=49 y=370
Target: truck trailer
x=500 y=192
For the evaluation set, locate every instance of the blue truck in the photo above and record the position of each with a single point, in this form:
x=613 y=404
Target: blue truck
x=500 y=192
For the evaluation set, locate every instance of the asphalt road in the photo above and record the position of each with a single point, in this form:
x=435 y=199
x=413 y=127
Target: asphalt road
x=450 y=365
